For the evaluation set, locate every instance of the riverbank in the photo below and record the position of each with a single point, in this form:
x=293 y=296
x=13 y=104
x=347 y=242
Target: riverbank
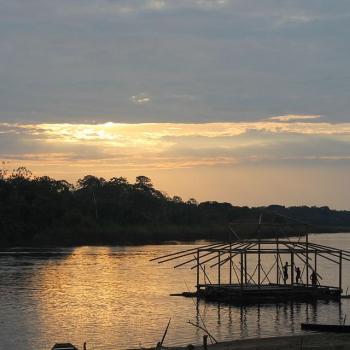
x=41 y=212
x=315 y=341
x=112 y=235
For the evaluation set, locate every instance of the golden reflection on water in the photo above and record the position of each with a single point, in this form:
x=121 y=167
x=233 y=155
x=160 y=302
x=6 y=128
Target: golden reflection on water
x=115 y=298
x=102 y=292
x=94 y=288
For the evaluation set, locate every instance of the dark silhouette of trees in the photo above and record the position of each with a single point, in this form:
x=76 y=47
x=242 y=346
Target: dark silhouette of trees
x=143 y=183
x=45 y=211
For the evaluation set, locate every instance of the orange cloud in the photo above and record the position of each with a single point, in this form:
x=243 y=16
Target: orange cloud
x=176 y=145
x=291 y=117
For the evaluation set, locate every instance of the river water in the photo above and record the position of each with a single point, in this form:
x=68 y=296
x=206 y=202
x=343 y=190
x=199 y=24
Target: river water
x=115 y=298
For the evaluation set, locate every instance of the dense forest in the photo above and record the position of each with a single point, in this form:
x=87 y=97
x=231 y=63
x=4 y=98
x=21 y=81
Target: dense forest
x=41 y=211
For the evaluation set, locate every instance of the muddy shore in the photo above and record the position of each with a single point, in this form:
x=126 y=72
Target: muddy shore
x=314 y=341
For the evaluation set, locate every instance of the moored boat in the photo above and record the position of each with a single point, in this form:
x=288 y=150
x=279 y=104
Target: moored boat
x=64 y=346
x=337 y=328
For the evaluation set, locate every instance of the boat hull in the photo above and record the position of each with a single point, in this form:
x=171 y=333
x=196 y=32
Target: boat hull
x=325 y=328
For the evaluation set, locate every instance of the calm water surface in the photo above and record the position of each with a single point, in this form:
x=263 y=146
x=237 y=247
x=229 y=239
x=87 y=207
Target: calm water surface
x=115 y=298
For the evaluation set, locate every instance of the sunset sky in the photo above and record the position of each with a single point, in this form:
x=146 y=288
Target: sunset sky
x=245 y=101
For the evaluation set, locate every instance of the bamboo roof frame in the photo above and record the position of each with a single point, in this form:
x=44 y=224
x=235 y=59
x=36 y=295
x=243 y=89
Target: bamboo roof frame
x=224 y=252
x=251 y=246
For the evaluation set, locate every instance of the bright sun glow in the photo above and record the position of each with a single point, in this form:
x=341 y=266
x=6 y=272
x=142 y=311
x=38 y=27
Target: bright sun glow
x=178 y=145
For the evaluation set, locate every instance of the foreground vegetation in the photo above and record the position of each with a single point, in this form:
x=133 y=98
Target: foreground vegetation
x=45 y=211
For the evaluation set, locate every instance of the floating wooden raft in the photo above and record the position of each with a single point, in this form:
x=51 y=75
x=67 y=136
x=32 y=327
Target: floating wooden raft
x=245 y=282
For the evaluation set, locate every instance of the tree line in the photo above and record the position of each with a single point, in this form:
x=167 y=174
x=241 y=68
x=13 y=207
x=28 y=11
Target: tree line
x=40 y=210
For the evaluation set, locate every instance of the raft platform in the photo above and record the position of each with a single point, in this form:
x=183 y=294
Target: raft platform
x=263 y=270
x=271 y=293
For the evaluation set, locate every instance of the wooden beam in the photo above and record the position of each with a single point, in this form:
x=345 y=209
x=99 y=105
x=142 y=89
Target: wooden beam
x=245 y=268
x=340 y=269
x=230 y=265
x=344 y=252
x=219 y=268
x=186 y=254
x=315 y=262
x=292 y=268
x=241 y=270
x=307 y=259
x=259 y=263
x=236 y=251
x=191 y=251
x=198 y=257
x=277 y=263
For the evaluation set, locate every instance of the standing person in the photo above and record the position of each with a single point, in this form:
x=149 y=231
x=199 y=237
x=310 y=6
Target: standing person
x=285 y=272
x=313 y=278
x=297 y=275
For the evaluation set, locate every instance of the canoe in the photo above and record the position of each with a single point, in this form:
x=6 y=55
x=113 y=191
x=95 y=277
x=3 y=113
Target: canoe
x=325 y=327
x=64 y=346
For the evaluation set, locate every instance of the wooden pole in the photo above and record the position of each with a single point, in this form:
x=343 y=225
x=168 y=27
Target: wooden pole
x=307 y=260
x=315 y=263
x=241 y=270
x=292 y=268
x=165 y=333
x=245 y=268
x=219 y=268
x=188 y=251
x=203 y=329
x=236 y=249
x=259 y=264
x=205 y=342
x=197 y=270
x=340 y=270
x=277 y=263
x=230 y=264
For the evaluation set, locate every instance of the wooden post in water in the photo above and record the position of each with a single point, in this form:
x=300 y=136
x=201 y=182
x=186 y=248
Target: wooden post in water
x=340 y=270
x=205 y=342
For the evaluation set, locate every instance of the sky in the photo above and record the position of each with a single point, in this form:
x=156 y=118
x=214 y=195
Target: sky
x=244 y=101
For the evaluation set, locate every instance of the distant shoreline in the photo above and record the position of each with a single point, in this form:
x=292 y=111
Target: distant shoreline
x=145 y=237
x=41 y=211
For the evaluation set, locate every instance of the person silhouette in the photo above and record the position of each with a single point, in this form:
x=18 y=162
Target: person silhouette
x=297 y=275
x=313 y=278
x=285 y=272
